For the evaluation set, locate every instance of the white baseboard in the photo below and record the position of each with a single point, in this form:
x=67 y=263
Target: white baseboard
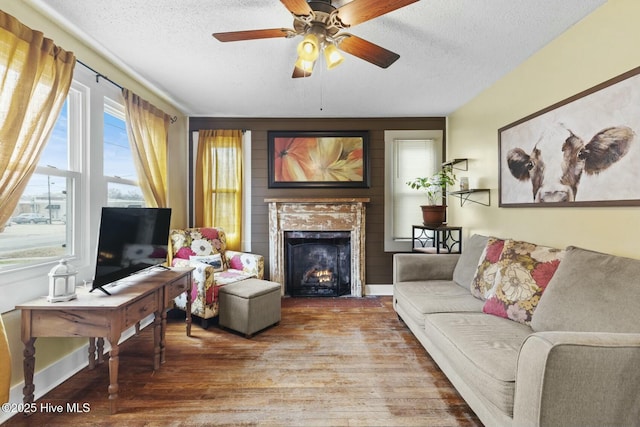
x=378 y=290
x=61 y=370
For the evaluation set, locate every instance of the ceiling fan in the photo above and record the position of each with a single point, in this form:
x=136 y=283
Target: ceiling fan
x=320 y=24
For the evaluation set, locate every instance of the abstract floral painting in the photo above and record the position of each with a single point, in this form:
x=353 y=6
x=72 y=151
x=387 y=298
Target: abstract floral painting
x=318 y=159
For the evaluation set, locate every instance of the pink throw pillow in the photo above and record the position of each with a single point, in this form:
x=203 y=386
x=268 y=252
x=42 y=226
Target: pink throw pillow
x=524 y=271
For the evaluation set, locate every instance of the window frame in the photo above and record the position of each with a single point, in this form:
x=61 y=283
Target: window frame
x=25 y=281
x=89 y=95
x=391 y=137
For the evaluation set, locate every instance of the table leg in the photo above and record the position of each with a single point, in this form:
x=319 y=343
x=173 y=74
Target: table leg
x=159 y=325
x=114 y=360
x=29 y=365
x=188 y=320
x=92 y=352
x=100 y=350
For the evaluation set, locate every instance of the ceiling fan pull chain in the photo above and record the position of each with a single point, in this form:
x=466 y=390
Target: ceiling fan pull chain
x=321 y=88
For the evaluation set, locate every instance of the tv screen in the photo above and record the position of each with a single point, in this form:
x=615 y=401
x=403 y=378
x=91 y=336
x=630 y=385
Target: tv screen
x=130 y=240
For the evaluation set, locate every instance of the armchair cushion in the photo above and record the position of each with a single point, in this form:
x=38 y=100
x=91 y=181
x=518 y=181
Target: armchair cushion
x=214 y=261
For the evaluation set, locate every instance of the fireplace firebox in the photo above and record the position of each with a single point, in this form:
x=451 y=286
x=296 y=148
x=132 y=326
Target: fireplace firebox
x=318 y=263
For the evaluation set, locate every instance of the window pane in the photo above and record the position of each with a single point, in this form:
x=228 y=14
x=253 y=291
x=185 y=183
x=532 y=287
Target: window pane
x=123 y=196
x=415 y=158
x=56 y=152
x=117 y=151
x=38 y=228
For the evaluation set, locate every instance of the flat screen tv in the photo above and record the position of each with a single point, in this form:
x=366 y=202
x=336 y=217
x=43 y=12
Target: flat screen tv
x=130 y=240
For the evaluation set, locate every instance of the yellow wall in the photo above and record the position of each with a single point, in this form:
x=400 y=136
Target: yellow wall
x=49 y=350
x=601 y=46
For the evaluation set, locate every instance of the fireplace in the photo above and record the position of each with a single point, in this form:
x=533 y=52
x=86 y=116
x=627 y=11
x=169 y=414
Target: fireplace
x=343 y=215
x=318 y=263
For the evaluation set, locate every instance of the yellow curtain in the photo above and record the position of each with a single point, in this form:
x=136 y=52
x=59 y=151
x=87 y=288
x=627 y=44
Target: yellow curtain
x=35 y=76
x=219 y=183
x=5 y=365
x=148 y=130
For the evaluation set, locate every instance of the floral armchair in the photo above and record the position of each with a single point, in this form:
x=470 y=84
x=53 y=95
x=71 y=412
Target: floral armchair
x=215 y=266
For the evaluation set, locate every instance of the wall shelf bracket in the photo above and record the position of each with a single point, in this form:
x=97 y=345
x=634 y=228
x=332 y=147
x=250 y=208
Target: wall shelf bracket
x=466 y=196
x=459 y=164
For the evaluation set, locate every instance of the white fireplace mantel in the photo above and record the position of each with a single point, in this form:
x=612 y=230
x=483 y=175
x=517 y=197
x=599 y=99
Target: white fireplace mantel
x=317 y=214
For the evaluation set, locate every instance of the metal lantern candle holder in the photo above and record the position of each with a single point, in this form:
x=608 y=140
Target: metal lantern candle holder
x=62 y=282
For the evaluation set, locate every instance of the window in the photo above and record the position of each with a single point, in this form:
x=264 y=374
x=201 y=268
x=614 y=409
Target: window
x=245 y=244
x=86 y=165
x=408 y=154
x=41 y=226
x=119 y=171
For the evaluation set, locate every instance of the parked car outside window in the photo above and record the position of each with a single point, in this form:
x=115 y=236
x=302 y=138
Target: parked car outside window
x=30 y=218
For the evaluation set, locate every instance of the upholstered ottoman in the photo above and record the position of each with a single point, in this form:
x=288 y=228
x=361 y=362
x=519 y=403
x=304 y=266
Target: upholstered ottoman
x=250 y=305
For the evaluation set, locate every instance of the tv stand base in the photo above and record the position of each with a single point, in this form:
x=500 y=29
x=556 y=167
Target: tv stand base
x=100 y=288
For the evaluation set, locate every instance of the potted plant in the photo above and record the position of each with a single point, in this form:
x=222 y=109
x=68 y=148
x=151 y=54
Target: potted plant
x=435 y=187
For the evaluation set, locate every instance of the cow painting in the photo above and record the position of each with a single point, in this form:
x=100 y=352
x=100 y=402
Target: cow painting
x=555 y=167
x=581 y=151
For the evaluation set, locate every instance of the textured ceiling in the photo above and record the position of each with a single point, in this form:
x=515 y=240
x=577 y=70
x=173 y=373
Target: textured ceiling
x=450 y=50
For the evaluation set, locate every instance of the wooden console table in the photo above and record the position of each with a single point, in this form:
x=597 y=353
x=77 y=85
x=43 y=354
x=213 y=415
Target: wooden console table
x=98 y=315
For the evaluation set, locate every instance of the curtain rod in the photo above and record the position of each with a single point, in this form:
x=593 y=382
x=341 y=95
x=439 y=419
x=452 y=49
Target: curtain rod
x=98 y=75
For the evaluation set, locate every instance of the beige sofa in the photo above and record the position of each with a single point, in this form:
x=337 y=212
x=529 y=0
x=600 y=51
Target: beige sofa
x=574 y=360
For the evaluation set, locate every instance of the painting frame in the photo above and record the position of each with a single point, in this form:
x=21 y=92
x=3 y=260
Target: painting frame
x=346 y=152
x=608 y=113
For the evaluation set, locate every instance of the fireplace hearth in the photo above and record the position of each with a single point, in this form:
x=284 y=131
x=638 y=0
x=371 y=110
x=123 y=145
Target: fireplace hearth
x=318 y=263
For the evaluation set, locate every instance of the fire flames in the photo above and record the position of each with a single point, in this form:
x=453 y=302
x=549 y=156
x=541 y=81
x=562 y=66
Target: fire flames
x=319 y=276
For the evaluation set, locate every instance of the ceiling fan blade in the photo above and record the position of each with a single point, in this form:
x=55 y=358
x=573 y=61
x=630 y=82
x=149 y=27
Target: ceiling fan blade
x=297 y=7
x=368 y=51
x=359 y=11
x=234 y=36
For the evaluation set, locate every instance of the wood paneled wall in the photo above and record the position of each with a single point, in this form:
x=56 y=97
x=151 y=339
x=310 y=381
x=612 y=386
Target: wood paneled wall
x=378 y=262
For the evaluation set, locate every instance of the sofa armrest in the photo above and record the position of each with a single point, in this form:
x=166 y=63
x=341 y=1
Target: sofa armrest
x=578 y=379
x=246 y=262
x=417 y=267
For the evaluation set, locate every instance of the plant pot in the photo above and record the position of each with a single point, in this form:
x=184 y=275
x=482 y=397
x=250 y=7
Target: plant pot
x=434 y=214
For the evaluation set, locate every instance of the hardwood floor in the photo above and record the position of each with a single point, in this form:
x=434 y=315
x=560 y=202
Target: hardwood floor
x=330 y=362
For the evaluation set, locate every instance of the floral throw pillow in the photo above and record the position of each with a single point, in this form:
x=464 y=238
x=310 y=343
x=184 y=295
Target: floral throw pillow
x=488 y=266
x=524 y=272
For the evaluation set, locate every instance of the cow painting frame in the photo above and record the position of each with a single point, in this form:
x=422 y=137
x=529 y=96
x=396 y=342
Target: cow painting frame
x=583 y=151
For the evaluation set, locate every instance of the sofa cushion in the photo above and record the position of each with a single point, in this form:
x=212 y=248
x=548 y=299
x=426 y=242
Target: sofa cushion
x=467 y=264
x=434 y=296
x=525 y=270
x=482 y=349
x=591 y=291
x=487 y=267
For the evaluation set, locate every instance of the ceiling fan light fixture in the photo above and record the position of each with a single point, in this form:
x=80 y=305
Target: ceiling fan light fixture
x=304 y=65
x=309 y=48
x=332 y=56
